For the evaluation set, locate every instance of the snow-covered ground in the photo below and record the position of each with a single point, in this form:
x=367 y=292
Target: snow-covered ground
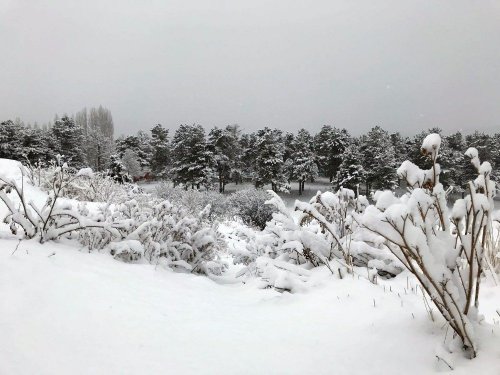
x=64 y=311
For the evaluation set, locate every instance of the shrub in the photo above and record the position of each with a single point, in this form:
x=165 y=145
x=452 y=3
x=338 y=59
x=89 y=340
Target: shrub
x=446 y=253
x=137 y=227
x=249 y=205
x=194 y=201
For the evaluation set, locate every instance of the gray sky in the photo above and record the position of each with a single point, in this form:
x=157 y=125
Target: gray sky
x=404 y=65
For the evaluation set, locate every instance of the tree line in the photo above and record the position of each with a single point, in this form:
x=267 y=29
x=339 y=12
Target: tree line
x=195 y=158
x=83 y=140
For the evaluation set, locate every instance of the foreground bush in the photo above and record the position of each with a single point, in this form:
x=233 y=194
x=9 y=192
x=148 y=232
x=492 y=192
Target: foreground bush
x=446 y=253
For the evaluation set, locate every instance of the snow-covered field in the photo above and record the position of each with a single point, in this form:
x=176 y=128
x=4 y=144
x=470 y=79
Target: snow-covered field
x=67 y=311
x=64 y=311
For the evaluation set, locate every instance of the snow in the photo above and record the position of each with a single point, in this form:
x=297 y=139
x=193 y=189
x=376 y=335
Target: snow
x=85 y=172
x=11 y=169
x=384 y=199
x=459 y=209
x=80 y=313
x=431 y=144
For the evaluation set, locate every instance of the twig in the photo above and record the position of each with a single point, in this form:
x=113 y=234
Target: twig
x=18 y=243
x=447 y=364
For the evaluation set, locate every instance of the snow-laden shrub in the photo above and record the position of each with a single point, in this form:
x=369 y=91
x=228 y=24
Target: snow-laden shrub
x=160 y=233
x=321 y=235
x=83 y=185
x=446 y=252
x=333 y=213
x=193 y=200
x=138 y=227
x=99 y=187
x=250 y=206
x=51 y=220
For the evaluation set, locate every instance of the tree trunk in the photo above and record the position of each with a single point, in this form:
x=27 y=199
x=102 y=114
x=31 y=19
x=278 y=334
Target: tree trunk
x=98 y=158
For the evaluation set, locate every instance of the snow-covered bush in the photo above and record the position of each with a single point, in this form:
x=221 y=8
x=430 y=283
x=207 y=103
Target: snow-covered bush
x=302 y=243
x=445 y=252
x=250 y=206
x=249 y=244
x=160 y=233
x=321 y=235
x=51 y=220
x=137 y=227
x=333 y=213
x=193 y=200
x=83 y=185
x=99 y=187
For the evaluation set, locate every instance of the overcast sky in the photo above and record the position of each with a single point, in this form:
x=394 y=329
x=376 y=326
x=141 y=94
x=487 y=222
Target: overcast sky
x=404 y=65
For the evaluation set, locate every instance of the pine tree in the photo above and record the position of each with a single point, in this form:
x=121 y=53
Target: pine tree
x=248 y=157
x=480 y=141
x=303 y=164
x=192 y=161
x=495 y=155
x=37 y=146
x=351 y=172
x=70 y=140
x=329 y=145
x=117 y=170
x=145 y=151
x=379 y=160
x=288 y=140
x=235 y=152
x=400 y=145
x=140 y=144
x=269 y=163
x=160 y=149
x=460 y=170
x=224 y=146
x=122 y=144
x=11 y=140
